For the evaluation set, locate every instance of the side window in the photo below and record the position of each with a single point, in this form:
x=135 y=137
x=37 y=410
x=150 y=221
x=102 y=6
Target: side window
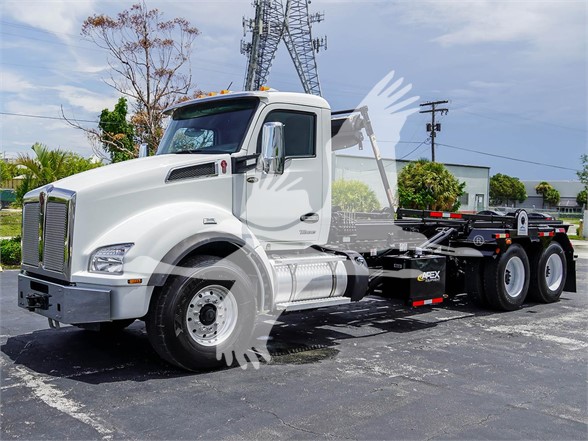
x=299 y=132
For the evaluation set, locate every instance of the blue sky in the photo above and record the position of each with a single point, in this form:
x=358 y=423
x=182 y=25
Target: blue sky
x=514 y=71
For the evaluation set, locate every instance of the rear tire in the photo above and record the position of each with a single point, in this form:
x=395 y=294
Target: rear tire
x=205 y=318
x=548 y=274
x=506 y=279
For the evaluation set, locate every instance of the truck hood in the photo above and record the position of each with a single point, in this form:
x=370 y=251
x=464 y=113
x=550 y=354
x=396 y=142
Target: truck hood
x=127 y=175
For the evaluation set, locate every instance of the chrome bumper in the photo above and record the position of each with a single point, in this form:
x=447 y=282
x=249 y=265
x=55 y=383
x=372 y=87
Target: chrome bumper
x=65 y=304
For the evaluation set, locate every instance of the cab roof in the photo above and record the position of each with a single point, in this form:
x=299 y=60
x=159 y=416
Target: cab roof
x=267 y=97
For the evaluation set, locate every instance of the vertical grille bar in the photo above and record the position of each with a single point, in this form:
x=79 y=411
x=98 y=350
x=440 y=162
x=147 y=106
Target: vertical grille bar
x=55 y=235
x=30 y=234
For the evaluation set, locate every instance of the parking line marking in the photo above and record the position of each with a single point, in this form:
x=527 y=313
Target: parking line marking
x=54 y=397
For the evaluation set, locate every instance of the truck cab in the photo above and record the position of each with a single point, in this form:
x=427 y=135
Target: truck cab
x=101 y=246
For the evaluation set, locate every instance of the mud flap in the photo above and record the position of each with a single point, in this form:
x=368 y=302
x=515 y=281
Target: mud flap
x=570 y=285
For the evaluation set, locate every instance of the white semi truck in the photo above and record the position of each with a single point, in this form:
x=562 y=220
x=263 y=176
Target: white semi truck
x=233 y=218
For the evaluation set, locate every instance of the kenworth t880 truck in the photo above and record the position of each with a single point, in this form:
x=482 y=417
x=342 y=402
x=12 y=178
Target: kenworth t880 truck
x=232 y=218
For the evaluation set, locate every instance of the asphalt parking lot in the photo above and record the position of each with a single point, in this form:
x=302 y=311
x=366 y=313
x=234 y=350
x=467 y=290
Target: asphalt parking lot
x=368 y=371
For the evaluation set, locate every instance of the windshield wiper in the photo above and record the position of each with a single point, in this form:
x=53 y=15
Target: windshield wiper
x=182 y=152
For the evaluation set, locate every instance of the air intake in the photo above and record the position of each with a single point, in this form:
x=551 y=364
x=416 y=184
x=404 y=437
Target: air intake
x=192 y=172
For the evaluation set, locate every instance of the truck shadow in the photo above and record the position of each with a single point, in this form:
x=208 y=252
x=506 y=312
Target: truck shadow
x=94 y=358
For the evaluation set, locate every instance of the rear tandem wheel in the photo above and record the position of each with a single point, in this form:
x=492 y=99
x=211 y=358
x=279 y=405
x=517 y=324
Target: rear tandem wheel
x=506 y=279
x=548 y=274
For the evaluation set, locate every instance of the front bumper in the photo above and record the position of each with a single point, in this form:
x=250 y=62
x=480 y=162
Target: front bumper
x=62 y=303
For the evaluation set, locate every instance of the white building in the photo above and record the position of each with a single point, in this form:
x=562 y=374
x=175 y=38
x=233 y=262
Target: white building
x=568 y=192
x=365 y=169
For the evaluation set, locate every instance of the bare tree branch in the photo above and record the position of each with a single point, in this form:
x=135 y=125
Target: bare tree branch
x=148 y=57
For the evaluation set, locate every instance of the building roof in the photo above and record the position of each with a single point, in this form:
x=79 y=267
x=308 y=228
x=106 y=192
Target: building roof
x=404 y=161
x=567 y=189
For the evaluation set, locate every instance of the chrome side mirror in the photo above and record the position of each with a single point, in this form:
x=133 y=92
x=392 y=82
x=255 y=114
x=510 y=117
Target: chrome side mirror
x=273 y=151
x=143 y=150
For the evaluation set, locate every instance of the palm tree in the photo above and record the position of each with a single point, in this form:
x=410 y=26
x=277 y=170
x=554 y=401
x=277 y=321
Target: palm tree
x=47 y=165
x=543 y=188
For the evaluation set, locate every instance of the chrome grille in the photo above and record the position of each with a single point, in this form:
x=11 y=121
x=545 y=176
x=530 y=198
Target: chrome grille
x=55 y=234
x=48 y=215
x=30 y=234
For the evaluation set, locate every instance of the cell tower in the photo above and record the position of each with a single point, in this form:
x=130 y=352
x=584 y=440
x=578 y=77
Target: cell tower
x=273 y=22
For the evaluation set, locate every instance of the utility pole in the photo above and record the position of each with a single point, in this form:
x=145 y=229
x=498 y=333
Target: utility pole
x=432 y=126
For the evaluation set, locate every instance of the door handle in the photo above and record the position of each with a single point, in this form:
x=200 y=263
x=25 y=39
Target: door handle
x=310 y=218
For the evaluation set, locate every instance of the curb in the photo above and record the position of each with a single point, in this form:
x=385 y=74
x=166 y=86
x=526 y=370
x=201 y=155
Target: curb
x=579 y=244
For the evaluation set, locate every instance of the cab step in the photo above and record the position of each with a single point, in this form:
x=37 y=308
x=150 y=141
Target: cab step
x=312 y=304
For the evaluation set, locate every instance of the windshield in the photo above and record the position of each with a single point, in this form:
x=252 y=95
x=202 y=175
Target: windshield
x=208 y=127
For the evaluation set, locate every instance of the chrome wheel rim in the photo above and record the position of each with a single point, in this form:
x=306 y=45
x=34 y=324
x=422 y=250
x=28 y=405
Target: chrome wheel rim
x=514 y=277
x=554 y=272
x=211 y=315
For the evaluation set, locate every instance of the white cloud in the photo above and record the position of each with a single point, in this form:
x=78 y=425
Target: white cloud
x=85 y=99
x=60 y=17
x=204 y=14
x=13 y=83
x=554 y=28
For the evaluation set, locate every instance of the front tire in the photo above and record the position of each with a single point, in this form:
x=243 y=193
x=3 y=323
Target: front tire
x=549 y=272
x=506 y=279
x=205 y=317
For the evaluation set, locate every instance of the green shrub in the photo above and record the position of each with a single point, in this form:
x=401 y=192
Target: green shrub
x=10 y=251
x=354 y=196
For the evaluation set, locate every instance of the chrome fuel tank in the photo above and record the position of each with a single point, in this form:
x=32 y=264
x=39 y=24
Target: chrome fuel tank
x=306 y=277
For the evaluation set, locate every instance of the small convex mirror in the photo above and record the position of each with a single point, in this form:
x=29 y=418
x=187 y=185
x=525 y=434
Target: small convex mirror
x=143 y=150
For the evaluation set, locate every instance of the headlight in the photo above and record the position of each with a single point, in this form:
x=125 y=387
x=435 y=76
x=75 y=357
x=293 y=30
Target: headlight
x=109 y=259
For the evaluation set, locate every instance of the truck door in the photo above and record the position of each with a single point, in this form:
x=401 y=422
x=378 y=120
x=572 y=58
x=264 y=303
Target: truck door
x=285 y=208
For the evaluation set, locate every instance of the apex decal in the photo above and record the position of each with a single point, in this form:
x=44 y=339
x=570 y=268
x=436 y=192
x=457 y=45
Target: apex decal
x=429 y=276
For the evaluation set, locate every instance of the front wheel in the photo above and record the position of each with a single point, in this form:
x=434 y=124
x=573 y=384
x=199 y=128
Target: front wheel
x=549 y=272
x=204 y=318
x=506 y=279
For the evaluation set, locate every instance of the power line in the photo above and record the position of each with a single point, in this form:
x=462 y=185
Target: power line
x=507 y=157
x=27 y=115
x=415 y=149
x=522 y=117
x=60 y=43
x=36 y=29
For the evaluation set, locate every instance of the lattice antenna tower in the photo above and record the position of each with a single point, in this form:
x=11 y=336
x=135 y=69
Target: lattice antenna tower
x=273 y=23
